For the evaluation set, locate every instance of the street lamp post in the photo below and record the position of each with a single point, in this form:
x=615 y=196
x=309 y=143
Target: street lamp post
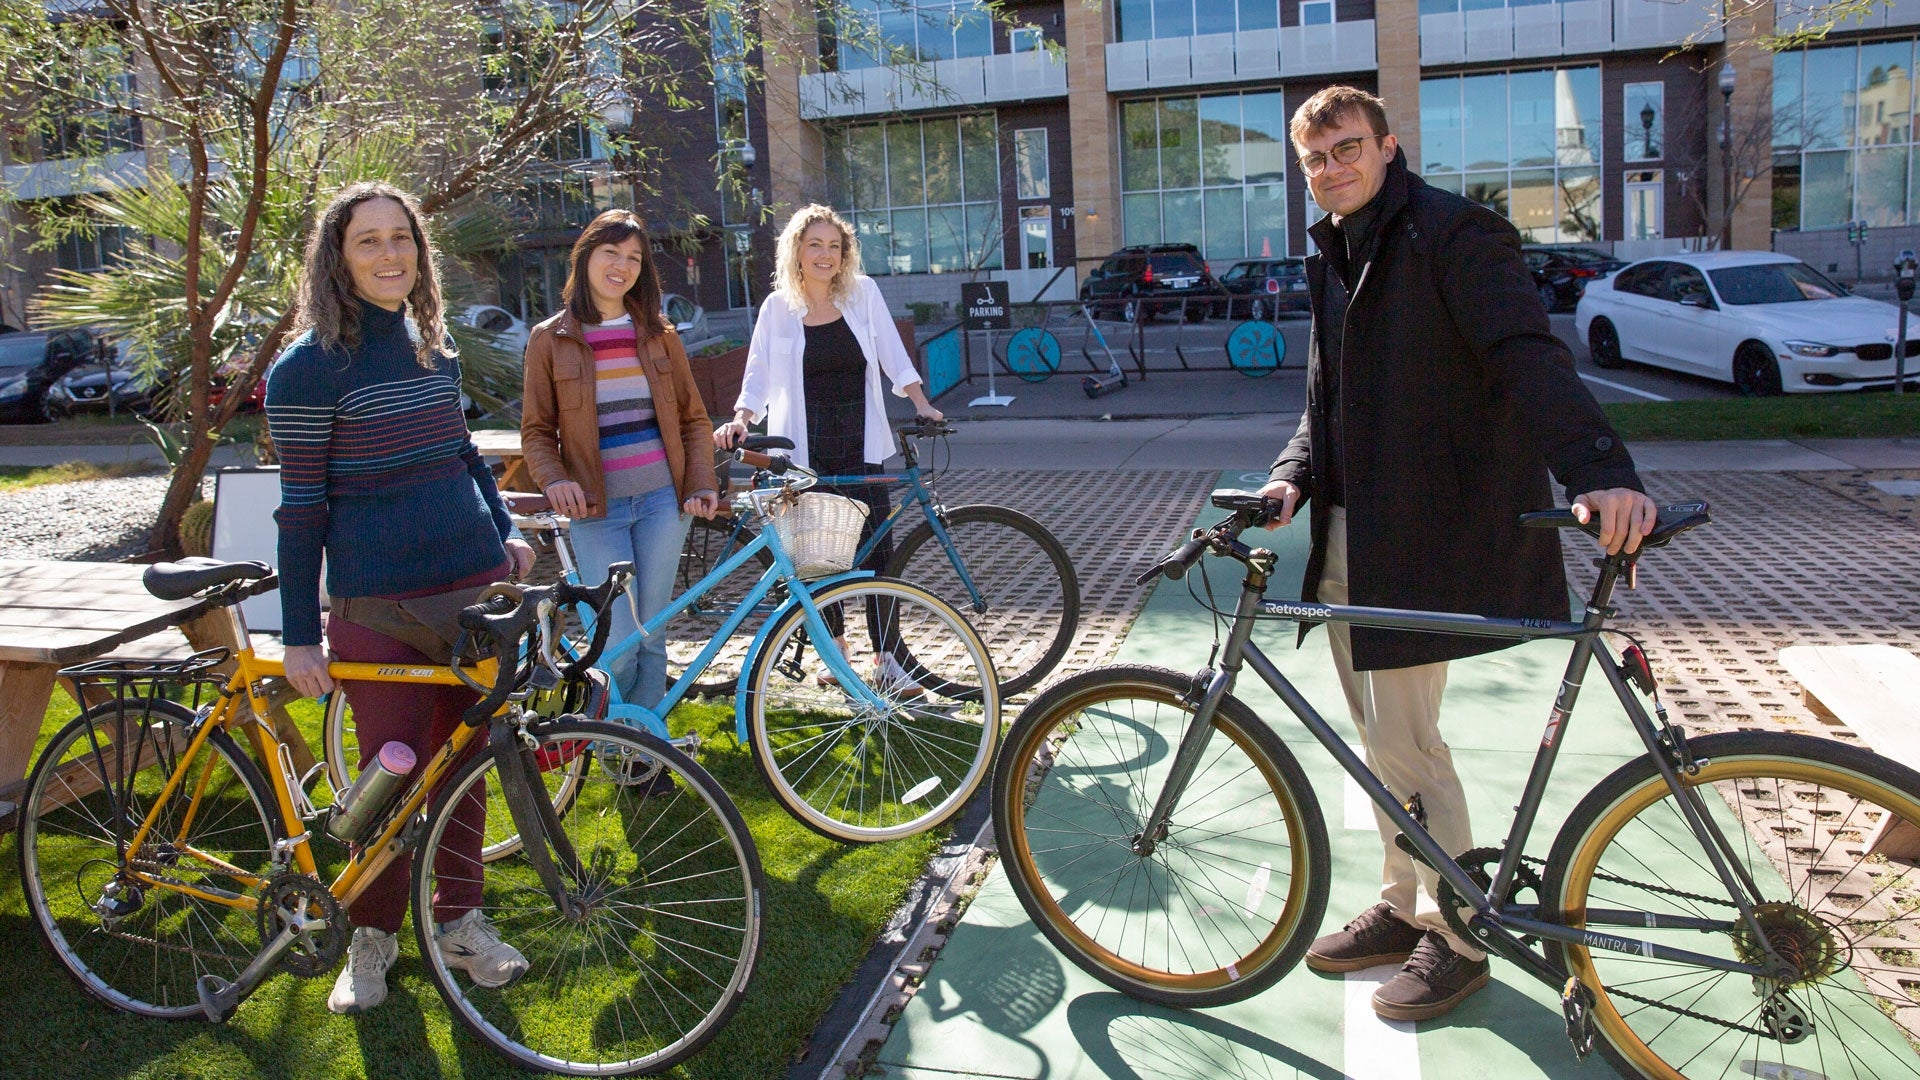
x=1646 y=129
x=1727 y=79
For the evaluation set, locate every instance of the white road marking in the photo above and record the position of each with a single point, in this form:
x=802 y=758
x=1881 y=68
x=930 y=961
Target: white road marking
x=1623 y=387
x=1376 y=1049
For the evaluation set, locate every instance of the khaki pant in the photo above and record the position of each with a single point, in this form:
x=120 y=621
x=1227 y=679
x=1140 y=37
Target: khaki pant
x=1397 y=712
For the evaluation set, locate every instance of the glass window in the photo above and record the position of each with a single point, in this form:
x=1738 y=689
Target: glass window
x=1316 y=12
x=1579 y=204
x=1440 y=128
x=1824 y=122
x=1142 y=218
x=973 y=31
x=942 y=141
x=1030 y=172
x=906 y=171
x=926 y=193
x=1024 y=39
x=983 y=236
x=1643 y=115
x=1487 y=189
x=1226 y=221
x=1267 y=220
x=947 y=239
x=872 y=33
x=1787 y=70
x=867 y=165
x=1577 y=116
x=1686 y=282
x=1826 y=189
x=1259 y=14
x=1535 y=127
x=1439 y=7
x=1221 y=158
x=1135 y=20
x=979 y=158
x=1214 y=17
x=1880 y=186
x=1263 y=134
x=1172 y=18
x=1140 y=150
x=1180 y=221
x=1885 y=103
x=1531 y=205
x=1179 y=142
x=1483 y=101
x=1773 y=283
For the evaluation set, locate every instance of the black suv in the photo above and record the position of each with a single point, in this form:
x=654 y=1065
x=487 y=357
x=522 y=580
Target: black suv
x=31 y=363
x=1561 y=271
x=1261 y=288
x=1138 y=282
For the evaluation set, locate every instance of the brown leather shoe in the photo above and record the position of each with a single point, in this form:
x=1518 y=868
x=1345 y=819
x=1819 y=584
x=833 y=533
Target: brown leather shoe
x=1433 y=980
x=1374 y=937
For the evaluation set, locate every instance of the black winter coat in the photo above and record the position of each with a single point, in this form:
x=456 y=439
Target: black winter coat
x=1457 y=400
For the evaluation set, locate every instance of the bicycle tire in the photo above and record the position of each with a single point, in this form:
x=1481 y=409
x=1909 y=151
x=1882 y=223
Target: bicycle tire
x=342 y=749
x=673 y=888
x=1256 y=349
x=1030 y=592
x=148 y=960
x=1033 y=354
x=830 y=761
x=1787 y=805
x=1073 y=785
x=709 y=543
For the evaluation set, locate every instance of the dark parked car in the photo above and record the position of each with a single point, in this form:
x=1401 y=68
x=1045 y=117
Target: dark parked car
x=30 y=364
x=1136 y=283
x=1263 y=288
x=1561 y=271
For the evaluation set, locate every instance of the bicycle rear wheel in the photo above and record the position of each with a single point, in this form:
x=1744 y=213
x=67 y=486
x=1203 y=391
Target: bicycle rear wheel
x=855 y=773
x=1029 y=604
x=342 y=745
x=710 y=543
x=669 y=892
x=117 y=926
x=1228 y=899
x=1801 y=817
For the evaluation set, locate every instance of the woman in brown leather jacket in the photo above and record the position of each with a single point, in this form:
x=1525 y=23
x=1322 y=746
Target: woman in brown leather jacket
x=613 y=430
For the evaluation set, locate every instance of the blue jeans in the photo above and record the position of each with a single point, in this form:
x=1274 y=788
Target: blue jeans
x=650 y=530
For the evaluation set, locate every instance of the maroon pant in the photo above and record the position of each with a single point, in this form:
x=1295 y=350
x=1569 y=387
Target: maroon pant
x=423 y=717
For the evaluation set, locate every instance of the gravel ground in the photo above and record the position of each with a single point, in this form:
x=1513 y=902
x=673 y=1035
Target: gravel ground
x=99 y=520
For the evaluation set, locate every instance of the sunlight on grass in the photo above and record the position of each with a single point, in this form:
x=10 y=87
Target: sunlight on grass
x=17 y=477
x=825 y=904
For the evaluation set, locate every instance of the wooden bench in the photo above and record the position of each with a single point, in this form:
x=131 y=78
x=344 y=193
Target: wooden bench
x=1875 y=691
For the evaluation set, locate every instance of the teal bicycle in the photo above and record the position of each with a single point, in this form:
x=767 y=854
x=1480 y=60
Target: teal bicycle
x=870 y=705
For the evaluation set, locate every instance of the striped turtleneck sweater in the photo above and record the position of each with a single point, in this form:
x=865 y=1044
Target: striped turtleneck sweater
x=377 y=471
x=632 y=457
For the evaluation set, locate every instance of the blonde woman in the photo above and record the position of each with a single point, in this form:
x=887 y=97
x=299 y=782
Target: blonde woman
x=823 y=339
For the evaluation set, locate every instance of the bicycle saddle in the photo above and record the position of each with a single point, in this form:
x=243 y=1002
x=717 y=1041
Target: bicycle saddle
x=196 y=574
x=1674 y=519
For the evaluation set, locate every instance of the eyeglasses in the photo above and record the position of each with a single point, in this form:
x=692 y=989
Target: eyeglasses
x=1346 y=152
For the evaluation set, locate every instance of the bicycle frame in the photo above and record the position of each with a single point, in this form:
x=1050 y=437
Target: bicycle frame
x=798 y=593
x=1494 y=926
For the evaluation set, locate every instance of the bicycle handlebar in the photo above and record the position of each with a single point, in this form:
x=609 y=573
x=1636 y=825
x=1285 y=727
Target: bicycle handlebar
x=506 y=613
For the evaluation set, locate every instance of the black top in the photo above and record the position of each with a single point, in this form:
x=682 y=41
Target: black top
x=1356 y=232
x=834 y=374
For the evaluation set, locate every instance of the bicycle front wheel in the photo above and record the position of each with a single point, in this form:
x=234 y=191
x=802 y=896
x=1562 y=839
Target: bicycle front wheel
x=123 y=921
x=342 y=744
x=862 y=774
x=1804 y=820
x=709 y=544
x=667 y=890
x=1226 y=899
x=1028 y=602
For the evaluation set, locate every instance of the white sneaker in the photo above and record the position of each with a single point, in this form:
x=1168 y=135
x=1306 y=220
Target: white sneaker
x=471 y=944
x=362 y=984
x=890 y=678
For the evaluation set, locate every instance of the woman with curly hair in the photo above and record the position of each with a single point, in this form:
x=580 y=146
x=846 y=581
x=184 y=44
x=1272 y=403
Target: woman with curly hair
x=379 y=476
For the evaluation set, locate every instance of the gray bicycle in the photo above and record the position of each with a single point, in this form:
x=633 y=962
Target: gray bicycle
x=1716 y=907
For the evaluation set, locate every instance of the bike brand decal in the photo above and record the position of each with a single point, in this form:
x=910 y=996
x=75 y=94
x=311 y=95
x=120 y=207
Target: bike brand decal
x=1287 y=610
x=408 y=672
x=1537 y=624
x=1554 y=720
x=1625 y=945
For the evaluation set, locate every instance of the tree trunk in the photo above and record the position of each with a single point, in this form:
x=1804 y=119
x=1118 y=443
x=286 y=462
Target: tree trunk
x=183 y=491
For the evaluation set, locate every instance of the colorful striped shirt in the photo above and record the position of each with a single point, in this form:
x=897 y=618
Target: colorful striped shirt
x=632 y=457
x=377 y=471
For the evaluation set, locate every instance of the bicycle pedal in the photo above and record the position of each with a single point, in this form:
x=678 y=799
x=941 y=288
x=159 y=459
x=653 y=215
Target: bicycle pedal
x=1576 y=1005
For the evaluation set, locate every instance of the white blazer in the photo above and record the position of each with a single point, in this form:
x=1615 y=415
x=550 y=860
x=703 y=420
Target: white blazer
x=773 y=385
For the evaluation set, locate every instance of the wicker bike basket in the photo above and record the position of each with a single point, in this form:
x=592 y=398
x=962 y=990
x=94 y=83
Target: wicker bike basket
x=821 y=532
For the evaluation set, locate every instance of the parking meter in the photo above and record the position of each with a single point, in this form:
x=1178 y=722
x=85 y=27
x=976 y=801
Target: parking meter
x=1904 y=268
x=1903 y=280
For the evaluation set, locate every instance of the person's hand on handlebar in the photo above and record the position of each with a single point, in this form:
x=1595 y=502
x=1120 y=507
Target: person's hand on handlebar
x=702 y=504
x=568 y=497
x=1287 y=494
x=921 y=406
x=1626 y=515
x=728 y=435
x=307 y=670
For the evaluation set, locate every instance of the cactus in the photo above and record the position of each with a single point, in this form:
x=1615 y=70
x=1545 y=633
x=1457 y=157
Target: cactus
x=196 y=529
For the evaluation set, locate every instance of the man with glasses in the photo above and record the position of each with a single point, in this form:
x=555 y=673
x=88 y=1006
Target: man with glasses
x=1438 y=400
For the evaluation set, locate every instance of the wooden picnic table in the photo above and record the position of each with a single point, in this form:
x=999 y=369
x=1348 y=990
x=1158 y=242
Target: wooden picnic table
x=504 y=447
x=53 y=614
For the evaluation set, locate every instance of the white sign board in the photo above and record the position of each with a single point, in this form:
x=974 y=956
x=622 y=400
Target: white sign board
x=243 y=530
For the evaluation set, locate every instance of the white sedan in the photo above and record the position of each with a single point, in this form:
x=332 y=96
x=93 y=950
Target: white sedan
x=1766 y=323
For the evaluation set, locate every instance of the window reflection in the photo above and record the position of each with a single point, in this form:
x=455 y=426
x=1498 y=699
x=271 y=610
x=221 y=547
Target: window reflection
x=923 y=195
x=1208 y=171
x=1525 y=144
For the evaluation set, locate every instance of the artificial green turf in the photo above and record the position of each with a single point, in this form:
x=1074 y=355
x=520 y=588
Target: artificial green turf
x=825 y=904
x=1798 y=416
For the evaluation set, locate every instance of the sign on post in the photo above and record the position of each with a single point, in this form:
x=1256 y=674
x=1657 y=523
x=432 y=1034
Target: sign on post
x=986 y=305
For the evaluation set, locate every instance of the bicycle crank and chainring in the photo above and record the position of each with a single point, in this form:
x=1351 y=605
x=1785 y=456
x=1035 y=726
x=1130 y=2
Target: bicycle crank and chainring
x=320 y=924
x=1477 y=863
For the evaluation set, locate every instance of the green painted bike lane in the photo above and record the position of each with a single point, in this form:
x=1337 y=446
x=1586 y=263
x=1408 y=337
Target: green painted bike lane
x=1001 y=1002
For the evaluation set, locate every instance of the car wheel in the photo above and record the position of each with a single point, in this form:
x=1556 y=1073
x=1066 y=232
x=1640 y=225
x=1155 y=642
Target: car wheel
x=1257 y=311
x=1133 y=311
x=1196 y=313
x=1603 y=344
x=1549 y=297
x=1755 y=372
